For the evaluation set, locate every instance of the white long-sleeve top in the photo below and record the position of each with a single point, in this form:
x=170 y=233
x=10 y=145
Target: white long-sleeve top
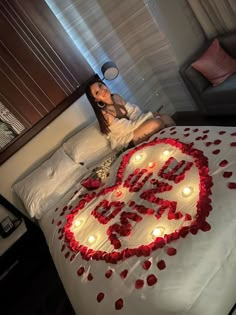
x=122 y=130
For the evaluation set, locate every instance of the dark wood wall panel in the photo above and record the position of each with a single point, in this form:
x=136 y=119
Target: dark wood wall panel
x=18 y=101
x=35 y=71
x=30 y=34
x=20 y=79
x=40 y=66
x=55 y=40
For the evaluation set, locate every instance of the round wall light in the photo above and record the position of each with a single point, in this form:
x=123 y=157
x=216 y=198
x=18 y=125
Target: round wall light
x=109 y=70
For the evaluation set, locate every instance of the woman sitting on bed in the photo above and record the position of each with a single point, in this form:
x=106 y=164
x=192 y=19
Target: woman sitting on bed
x=123 y=123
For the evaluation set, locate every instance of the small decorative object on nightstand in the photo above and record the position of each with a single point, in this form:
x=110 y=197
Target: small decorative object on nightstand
x=12 y=225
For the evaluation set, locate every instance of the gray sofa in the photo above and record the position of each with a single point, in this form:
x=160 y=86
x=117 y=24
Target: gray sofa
x=212 y=101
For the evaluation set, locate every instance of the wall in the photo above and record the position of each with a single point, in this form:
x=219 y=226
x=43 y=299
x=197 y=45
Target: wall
x=123 y=31
x=184 y=33
x=41 y=146
x=181 y=27
x=148 y=40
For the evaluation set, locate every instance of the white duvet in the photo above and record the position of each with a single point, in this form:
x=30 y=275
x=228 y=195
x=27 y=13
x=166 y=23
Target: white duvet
x=191 y=275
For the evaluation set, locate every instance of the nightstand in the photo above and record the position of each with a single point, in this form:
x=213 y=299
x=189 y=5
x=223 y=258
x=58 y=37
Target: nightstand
x=20 y=230
x=22 y=252
x=6 y=246
x=29 y=283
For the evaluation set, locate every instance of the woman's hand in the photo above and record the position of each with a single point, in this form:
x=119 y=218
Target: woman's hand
x=166 y=119
x=156 y=115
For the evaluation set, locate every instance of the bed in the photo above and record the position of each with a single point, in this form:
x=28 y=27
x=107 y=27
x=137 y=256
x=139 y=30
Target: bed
x=150 y=231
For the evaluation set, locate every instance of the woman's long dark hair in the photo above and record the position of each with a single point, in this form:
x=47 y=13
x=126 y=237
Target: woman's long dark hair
x=97 y=110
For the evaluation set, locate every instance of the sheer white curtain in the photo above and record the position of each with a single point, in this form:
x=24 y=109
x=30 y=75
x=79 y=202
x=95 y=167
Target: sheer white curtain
x=215 y=16
x=125 y=32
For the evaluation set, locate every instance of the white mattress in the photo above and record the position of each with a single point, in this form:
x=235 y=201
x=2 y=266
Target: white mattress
x=199 y=279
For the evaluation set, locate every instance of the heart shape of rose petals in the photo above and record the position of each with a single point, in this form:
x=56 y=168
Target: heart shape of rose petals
x=203 y=206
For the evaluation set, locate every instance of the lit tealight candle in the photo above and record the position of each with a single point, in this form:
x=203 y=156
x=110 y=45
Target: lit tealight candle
x=187 y=191
x=151 y=164
x=77 y=223
x=118 y=193
x=91 y=239
x=138 y=157
x=157 y=232
x=166 y=153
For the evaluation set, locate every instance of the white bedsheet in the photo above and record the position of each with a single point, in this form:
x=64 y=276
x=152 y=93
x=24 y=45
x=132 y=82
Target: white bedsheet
x=199 y=279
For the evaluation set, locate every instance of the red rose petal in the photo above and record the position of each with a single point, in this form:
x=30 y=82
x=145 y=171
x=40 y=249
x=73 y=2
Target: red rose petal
x=205 y=227
x=67 y=254
x=163 y=131
x=187 y=217
x=206 y=131
x=208 y=144
x=147 y=264
x=124 y=273
x=233 y=134
x=72 y=257
x=56 y=209
x=186 y=134
x=119 y=304
x=131 y=203
x=227 y=174
x=90 y=277
x=186 y=129
x=161 y=265
x=139 y=284
x=171 y=251
x=151 y=280
x=80 y=271
x=216 y=151
x=223 y=163
x=221 y=132
x=59 y=223
x=108 y=274
x=232 y=185
x=100 y=297
x=195 y=130
x=216 y=142
x=198 y=138
x=194 y=230
x=233 y=144
x=52 y=221
x=63 y=247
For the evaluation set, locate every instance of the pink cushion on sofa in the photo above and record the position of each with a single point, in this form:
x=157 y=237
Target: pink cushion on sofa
x=215 y=64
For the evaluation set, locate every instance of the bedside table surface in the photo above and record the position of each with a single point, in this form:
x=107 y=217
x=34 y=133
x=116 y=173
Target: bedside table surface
x=6 y=243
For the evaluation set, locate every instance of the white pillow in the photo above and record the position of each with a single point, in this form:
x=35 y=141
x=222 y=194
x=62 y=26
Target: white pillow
x=47 y=184
x=88 y=146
